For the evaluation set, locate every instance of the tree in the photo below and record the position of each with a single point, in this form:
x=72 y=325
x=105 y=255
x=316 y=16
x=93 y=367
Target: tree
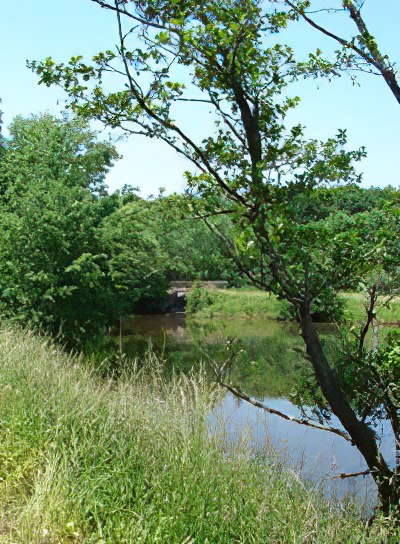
x=264 y=176
x=136 y=259
x=361 y=51
x=53 y=267
x=69 y=153
x=193 y=252
x=73 y=258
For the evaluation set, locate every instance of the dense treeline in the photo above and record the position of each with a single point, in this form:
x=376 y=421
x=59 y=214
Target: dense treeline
x=74 y=257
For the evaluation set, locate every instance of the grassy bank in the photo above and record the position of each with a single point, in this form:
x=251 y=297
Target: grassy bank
x=243 y=302
x=355 y=311
x=83 y=461
x=247 y=302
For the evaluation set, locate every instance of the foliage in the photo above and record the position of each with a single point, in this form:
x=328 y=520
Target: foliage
x=136 y=258
x=134 y=461
x=353 y=199
x=372 y=378
x=45 y=148
x=72 y=256
x=198 y=299
x=193 y=250
x=266 y=176
x=53 y=270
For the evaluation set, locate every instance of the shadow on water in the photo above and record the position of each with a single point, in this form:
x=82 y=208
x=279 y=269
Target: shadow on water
x=268 y=361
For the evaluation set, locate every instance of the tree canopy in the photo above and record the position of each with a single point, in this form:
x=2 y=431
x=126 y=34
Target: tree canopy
x=74 y=258
x=53 y=270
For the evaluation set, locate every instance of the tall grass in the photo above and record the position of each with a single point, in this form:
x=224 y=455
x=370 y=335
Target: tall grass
x=133 y=461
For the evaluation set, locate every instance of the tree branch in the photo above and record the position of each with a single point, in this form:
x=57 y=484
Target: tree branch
x=301 y=421
x=117 y=8
x=234 y=195
x=345 y=475
x=370 y=317
x=380 y=63
x=233 y=255
x=374 y=57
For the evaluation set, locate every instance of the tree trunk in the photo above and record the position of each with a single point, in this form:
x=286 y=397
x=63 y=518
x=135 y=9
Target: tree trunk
x=362 y=436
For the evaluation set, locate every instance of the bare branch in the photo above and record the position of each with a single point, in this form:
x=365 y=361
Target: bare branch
x=370 y=317
x=140 y=20
x=227 y=120
x=194 y=100
x=300 y=421
x=213 y=214
x=345 y=475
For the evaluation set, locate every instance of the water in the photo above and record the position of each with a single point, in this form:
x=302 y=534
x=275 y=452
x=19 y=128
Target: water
x=266 y=355
x=266 y=360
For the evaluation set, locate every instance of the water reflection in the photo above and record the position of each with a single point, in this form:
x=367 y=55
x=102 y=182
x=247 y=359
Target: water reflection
x=269 y=358
x=318 y=456
x=268 y=355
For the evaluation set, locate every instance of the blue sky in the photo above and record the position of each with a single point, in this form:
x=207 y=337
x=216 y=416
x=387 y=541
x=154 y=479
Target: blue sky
x=62 y=28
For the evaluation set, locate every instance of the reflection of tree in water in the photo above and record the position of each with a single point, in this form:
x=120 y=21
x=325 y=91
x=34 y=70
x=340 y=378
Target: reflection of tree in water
x=265 y=357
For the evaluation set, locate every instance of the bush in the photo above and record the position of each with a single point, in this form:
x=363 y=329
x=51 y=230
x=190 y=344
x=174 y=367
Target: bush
x=198 y=299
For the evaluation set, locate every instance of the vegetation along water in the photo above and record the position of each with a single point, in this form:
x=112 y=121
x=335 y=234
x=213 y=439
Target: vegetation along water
x=270 y=365
x=250 y=419
x=89 y=460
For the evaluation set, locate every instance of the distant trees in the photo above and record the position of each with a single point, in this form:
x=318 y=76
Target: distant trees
x=136 y=258
x=193 y=251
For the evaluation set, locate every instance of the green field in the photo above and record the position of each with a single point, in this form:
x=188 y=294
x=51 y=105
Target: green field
x=243 y=302
x=247 y=302
x=386 y=313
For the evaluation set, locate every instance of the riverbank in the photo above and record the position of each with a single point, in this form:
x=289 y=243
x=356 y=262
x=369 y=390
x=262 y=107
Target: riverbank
x=90 y=461
x=252 y=303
